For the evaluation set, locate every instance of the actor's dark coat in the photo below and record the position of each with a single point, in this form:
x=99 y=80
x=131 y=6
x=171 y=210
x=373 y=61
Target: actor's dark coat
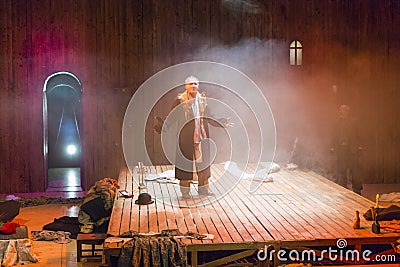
x=184 y=166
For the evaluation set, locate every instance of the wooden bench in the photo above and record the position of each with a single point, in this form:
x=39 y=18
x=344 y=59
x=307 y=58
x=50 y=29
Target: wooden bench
x=93 y=240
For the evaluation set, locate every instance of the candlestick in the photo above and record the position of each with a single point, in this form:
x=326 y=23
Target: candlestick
x=377 y=201
x=140 y=169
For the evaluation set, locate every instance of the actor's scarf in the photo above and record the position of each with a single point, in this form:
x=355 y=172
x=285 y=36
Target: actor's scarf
x=197 y=105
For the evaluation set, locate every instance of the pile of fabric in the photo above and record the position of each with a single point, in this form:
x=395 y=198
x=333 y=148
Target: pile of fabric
x=153 y=251
x=15 y=247
x=389 y=218
x=156 y=249
x=384 y=214
x=9 y=210
x=43 y=200
x=16 y=251
x=7 y=228
x=94 y=214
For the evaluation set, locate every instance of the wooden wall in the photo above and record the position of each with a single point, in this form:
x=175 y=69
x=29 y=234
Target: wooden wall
x=114 y=46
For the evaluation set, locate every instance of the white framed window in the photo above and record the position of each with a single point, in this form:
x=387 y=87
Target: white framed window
x=296 y=53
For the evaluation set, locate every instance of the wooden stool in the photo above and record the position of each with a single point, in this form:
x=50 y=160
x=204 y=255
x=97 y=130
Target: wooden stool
x=89 y=239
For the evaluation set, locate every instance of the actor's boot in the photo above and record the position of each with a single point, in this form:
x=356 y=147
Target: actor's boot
x=185 y=192
x=205 y=191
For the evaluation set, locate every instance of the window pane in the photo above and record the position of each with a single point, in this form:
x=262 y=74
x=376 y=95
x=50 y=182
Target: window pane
x=299 y=56
x=292 y=57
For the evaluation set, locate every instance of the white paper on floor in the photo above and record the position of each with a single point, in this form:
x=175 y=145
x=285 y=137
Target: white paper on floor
x=262 y=174
x=164 y=177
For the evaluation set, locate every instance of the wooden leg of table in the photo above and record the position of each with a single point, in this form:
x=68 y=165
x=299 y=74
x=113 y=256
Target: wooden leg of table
x=79 y=251
x=194 y=259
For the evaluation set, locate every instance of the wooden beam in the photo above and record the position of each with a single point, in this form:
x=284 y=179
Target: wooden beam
x=230 y=258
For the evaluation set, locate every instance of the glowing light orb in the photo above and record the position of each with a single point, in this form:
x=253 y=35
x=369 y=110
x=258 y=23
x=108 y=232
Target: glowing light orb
x=71 y=150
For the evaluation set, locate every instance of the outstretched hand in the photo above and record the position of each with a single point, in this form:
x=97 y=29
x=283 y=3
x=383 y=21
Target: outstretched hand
x=228 y=123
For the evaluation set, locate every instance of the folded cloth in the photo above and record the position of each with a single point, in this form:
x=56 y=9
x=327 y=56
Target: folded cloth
x=9 y=210
x=168 y=180
x=9 y=228
x=169 y=174
x=20 y=233
x=65 y=224
x=153 y=176
x=384 y=214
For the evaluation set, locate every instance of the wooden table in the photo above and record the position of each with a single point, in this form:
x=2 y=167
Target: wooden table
x=296 y=210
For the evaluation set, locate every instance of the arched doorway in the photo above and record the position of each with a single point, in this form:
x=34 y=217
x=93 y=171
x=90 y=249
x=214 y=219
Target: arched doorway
x=62 y=93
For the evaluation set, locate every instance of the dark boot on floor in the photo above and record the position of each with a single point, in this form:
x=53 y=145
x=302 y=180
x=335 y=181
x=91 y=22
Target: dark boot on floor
x=185 y=192
x=204 y=191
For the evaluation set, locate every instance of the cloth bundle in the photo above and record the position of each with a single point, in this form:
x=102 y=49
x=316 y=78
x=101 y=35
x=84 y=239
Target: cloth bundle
x=384 y=214
x=8 y=228
x=95 y=211
x=157 y=251
x=60 y=237
x=16 y=251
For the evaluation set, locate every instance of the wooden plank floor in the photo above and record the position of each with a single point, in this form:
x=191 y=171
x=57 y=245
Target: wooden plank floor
x=295 y=207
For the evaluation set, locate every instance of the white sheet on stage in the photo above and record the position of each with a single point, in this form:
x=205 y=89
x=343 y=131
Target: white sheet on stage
x=262 y=174
x=164 y=177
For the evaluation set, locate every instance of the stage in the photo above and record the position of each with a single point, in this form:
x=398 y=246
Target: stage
x=295 y=210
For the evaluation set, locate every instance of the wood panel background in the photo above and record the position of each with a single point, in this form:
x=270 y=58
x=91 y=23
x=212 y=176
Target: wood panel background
x=350 y=54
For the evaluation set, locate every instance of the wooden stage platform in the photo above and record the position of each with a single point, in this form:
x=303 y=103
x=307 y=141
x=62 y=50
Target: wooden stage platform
x=296 y=211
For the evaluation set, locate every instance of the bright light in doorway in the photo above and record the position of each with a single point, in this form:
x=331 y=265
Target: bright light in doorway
x=71 y=150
